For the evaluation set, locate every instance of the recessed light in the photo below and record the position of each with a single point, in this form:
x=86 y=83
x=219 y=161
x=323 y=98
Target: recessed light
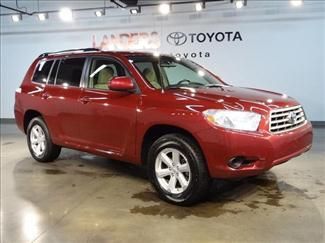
x=16 y=17
x=164 y=8
x=199 y=7
x=239 y=3
x=66 y=14
x=42 y=16
x=99 y=13
x=296 y=3
x=135 y=11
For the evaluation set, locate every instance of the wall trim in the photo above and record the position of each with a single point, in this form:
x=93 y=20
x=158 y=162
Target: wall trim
x=318 y=123
x=7 y=121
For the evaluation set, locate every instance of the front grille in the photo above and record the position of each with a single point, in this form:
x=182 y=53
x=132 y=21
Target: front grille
x=286 y=119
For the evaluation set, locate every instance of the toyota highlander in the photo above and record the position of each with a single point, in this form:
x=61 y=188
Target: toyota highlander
x=180 y=121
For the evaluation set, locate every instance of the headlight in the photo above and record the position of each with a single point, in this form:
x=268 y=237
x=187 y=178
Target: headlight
x=240 y=120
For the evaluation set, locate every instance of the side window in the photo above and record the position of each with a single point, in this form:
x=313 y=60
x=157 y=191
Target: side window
x=42 y=71
x=102 y=71
x=70 y=71
x=148 y=72
x=53 y=72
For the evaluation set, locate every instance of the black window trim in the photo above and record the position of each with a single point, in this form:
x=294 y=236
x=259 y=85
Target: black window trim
x=50 y=73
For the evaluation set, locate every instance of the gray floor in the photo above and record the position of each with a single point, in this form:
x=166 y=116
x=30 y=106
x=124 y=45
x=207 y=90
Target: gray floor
x=85 y=198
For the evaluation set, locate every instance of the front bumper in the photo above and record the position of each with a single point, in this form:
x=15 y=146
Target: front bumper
x=221 y=145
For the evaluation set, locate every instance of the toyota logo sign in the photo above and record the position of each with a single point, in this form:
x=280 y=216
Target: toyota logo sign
x=176 y=38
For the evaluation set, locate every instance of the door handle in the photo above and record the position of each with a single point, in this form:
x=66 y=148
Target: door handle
x=45 y=96
x=84 y=100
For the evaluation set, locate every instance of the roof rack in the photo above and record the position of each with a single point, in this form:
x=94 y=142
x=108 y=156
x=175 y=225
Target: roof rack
x=70 y=50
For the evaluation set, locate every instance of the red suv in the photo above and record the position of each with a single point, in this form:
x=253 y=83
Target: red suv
x=171 y=115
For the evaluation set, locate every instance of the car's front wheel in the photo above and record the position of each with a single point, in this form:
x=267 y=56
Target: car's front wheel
x=39 y=141
x=177 y=169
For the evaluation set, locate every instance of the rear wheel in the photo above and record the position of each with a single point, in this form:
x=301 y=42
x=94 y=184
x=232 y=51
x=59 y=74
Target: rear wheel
x=39 y=141
x=177 y=170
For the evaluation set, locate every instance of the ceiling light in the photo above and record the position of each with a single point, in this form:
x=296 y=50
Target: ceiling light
x=199 y=7
x=296 y=3
x=16 y=17
x=239 y=3
x=135 y=10
x=42 y=16
x=164 y=8
x=66 y=14
x=99 y=13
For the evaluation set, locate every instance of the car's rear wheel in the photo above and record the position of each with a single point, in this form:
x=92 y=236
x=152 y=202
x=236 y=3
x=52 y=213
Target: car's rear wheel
x=177 y=169
x=40 y=143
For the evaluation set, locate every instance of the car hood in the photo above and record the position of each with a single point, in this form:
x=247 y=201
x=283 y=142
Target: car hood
x=237 y=96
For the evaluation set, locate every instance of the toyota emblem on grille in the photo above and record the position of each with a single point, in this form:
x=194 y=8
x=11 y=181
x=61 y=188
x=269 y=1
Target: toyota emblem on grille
x=292 y=117
x=176 y=38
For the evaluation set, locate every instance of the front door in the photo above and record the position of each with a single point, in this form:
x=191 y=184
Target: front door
x=108 y=117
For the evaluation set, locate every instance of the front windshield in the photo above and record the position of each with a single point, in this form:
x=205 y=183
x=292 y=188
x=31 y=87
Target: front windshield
x=170 y=72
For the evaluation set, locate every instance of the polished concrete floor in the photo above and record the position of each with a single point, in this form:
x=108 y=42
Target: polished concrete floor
x=85 y=198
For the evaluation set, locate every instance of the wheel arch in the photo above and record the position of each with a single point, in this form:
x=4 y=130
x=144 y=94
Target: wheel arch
x=156 y=131
x=28 y=116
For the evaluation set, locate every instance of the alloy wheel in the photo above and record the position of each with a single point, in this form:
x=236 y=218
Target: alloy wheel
x=37 y=140
x=172 y=170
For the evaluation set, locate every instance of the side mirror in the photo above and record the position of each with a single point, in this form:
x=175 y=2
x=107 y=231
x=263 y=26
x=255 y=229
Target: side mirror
x=121 y=84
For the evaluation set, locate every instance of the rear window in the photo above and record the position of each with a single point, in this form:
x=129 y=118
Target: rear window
x=70 y=71
x=42 y=71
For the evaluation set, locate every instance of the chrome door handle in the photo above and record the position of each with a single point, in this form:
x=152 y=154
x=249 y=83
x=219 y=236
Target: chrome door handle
x=84 y=100
x=45 y=96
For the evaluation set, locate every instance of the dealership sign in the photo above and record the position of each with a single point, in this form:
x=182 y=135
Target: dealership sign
x=151 y=40
x=180 y=38
x=128 y=41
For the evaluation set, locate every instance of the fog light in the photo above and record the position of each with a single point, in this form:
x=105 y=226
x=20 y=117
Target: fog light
x=239 y=161
x=236 y=162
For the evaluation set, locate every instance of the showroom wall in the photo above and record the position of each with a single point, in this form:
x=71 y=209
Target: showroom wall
x=268 y=44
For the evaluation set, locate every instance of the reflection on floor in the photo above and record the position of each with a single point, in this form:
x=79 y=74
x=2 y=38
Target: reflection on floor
x=85 y=198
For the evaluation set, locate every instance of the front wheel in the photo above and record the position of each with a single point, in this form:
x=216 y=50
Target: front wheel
x=39 y=141
x=177 y=169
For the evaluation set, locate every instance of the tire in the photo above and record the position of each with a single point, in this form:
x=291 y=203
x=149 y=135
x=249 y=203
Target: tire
x=40 y=143
x=167 y=176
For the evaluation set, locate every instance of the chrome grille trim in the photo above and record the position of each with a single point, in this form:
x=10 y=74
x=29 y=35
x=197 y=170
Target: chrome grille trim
x=280 y=119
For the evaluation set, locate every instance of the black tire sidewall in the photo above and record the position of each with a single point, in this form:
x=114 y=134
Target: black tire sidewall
x=193 y=158
x=47 y=156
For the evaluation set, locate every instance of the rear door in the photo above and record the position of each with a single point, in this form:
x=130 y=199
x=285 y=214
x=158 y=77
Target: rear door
x=62 y=94
x=109 y=117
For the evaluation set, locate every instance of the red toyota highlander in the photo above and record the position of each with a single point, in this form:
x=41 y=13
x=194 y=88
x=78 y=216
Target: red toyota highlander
x=180 y=121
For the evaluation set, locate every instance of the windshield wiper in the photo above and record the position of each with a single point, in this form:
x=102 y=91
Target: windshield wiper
x=174 y=87
x=215 y=85
x=178 y=87
x=182 y=86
